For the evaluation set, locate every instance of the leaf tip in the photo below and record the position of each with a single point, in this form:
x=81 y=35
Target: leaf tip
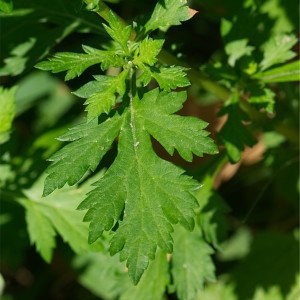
x=192 y=12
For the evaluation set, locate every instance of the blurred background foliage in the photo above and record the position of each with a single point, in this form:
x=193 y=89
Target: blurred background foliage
x=257 y=241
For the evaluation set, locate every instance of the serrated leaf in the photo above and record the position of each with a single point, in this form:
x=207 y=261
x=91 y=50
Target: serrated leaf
x=90 y=142
x=56 y=214
x=153 y=284
x=237 y=49
x=174 y=131
x=151 y=193
x=148 y=187
x=168 y=78
x=15 y=64
x=234 y=134
x=171 y=77
x=169 y=13
x=277 y=50
x=74 y=63
x=285 y=73
x=147 y=52
x=118 y=32
x=40 y=229
x=101 y=93
x=7 y=111
x=191 y=264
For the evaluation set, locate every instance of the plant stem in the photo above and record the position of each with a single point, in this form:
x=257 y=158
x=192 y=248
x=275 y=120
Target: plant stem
x=195 y=76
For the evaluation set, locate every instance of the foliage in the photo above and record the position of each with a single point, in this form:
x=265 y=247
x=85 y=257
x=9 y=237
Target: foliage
x=123 y=209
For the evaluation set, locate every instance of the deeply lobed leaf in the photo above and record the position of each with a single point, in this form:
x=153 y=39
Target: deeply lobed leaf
x=237 y=49
x=101 y=93
x=168 y=13
x=118 y=32
x=149 y=193
x=277 y=50
x=147 y=52
x=90 y=142
x=74 y=63
x=186 y=134
x=154 y=195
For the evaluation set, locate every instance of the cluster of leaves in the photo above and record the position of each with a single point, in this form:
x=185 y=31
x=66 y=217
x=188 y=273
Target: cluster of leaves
x=140 y=195
x=164 y=224
x=246 y=72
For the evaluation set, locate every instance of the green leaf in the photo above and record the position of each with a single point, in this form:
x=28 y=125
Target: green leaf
x=237 y=49
x=6 y=6
x=211 y=213
x=7 y=111
x=168 y=13
x=287 y=72
x=191 y=264
x=219 y=290
x=102 y=274
x=171 y=77
x=168 y=78
x=295 y=290
x=74 y=63
x=237 y=246
x=46 y=217
x=153 y=284
x=277 y=50
x=2 y=284
x=90 y=142
x=234 y=134
x=118 y=32
x=154 y=194
x=147 y=51
x=16 y=63
x=151 y=193
x=58 y=19
x=174 y=131
x=40 y=229
x=261 y=97
x=91 y=4
x=273 y=293
x=101 y=93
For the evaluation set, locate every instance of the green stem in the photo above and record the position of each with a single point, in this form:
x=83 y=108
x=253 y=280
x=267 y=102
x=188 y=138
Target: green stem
x=165 y=57
x=103 y=11
x=132 y=76
x=132 y=93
